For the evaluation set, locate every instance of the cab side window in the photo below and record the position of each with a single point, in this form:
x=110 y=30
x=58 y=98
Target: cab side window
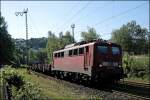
x=55 y=55
x=75 y=52
x=81 y=50
x=62 y=54
x=58 y=54
x=87 y=49
x=70 y=52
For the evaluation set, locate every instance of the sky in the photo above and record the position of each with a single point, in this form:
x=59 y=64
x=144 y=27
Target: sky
x=58 y=16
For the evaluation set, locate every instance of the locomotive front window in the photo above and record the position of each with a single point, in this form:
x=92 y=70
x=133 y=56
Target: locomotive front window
x=115 y=50
x=102 y=49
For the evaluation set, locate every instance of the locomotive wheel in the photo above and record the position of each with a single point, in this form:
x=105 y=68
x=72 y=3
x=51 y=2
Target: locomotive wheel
x=52 y=73
x=85 y=79
x=61 y=75
x=73 y=77
x=65 y=75
x=58 y=74
x=69 y=76
x=80 y=78
x=55 y=74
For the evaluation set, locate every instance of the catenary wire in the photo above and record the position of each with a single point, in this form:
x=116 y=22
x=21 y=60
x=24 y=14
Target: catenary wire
x=71 y=18
x=34 y=25
x=118 y=15
x=67 y=14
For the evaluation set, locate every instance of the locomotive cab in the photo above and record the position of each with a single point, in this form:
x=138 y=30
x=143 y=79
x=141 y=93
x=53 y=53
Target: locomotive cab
x=107 y=61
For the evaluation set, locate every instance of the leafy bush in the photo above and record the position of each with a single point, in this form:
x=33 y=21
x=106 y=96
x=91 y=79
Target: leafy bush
x=136 y=66
x=21 y=89
x=141 y=74
x=23 y=66
x=28 y=92
x=15 y=80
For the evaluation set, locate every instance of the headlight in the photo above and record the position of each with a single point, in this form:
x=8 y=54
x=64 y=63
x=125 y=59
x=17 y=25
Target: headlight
x=100 y=65
x=120 y=66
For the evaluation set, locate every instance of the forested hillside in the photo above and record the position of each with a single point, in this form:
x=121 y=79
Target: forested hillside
x=37 y=52
x=33 y=43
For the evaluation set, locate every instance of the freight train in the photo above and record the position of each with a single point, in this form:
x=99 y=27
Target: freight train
x=94 y=61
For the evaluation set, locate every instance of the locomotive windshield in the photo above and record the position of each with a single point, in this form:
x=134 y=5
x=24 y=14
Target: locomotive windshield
x=105 y=50
x=115 y=50
x=102 y=49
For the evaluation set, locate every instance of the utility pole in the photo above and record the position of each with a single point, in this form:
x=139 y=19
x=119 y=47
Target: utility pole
x=26 y=22
x=73 y=26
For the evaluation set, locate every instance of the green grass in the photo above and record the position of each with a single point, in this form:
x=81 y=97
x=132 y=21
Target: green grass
x=54 y=89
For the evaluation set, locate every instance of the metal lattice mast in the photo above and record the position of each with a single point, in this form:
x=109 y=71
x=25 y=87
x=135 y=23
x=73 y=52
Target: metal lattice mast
x=26 y=22
x=73 y=26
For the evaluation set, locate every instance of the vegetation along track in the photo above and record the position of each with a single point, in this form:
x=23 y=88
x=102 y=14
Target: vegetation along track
x=4 y=89
x=106 y=94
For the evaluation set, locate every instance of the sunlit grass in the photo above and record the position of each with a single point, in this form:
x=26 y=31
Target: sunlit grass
x=55 y=90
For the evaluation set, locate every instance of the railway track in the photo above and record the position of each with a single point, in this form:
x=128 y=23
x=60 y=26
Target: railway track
x=127 y=94
x=135 y=84
x=135 y=88
x=121 y=90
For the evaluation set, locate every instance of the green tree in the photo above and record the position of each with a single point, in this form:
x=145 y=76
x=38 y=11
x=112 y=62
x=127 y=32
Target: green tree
x=67 y=38
x=91 y=34
x=56 y=43
x=6 y=43
x=33 y=56
x=122 y=37
x=132 y=38
x=60 y=40
x=35 y=46
x=52 y=45
x=42 y=56
x=37 y=43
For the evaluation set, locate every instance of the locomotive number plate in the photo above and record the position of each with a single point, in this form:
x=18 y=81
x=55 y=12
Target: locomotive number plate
x=110 y=64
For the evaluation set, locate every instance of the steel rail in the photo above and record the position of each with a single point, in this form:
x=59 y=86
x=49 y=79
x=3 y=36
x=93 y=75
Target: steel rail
x=135 y=84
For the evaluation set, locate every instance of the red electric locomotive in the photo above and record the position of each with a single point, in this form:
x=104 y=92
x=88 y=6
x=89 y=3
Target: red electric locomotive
x=98 y=60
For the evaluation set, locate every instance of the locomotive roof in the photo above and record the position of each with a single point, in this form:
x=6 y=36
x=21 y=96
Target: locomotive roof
x=84 y=45
x=74 y=47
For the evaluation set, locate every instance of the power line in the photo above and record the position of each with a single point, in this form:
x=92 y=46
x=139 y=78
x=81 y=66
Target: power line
x=93 y=11
x=71 y=18
x=32 y=21
x=79 y=11
x=122 y=13
x=118 y=15
x=64 y=18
